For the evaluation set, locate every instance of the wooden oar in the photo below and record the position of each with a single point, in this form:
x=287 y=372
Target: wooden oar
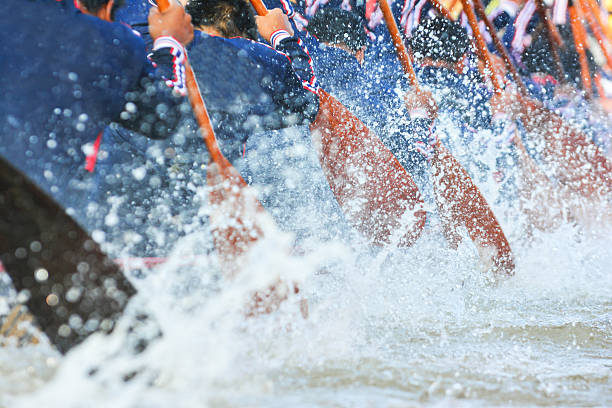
x=594 y=7
x=459 y=199
x=568 y=152
x=533 y=184
x=554 y=41
x=235 y=208
x=580 y=42
x=443 y=10
x=371 y=186
x=597 y=30
x=70 y=286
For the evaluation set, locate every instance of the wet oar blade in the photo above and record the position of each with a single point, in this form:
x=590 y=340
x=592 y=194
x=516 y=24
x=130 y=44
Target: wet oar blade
x=459 y=201
x=236 y=211
x=464 y=202
x=570 y=154
x=72 y=287
x=375 y=192
x=236 y=215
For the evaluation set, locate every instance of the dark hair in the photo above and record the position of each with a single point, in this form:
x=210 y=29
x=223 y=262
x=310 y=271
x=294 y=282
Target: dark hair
x=439 y=39
x=338 y=26
x=233 y=18
x=93 y=6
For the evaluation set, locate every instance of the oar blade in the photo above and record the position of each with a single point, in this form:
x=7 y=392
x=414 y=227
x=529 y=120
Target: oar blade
x=236 y=214
x=72 y=288
x=568 y=152
x=459 y=199
x=373 y=189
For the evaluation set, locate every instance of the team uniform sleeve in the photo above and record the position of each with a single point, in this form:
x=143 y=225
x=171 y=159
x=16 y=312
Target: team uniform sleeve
x=299 y=95
x=153 y=106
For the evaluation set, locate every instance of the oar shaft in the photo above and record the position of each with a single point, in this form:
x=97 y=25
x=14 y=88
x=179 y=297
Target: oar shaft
x=499 y=46
x=594 y=7
x=580 y=41
x=597 y=30
x=197 y=104
x=442 y=10
x=260 y=7
x=480 y=10
x=553 y=40
x=481 y=44
x=398 y=42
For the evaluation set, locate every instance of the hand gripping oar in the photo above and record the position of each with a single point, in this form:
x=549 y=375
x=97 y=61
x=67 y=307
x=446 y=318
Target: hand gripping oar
x=70 y=286
x=235 y=206
x=459 y=199
x=371 y=186
x=571 y=155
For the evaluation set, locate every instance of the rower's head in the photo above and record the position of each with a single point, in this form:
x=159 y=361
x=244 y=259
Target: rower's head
x=227 y=18
x=103 y=9
x=340 y=28
x=439 y=40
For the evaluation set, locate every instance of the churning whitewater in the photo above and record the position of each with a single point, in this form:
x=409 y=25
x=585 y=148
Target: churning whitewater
x=386 y=327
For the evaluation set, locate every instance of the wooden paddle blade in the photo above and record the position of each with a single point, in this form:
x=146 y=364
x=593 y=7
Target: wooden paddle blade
x=235 y=214
x=373 y=189
x=460 y=200
x=72 y=287
x=569 y=153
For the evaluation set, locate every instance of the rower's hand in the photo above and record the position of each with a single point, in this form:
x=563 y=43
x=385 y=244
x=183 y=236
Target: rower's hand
x=273 y=21
x=421 y=103
x=173 y=22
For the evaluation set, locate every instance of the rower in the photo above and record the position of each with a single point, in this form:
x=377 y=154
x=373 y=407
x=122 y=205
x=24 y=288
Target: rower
x=400 y=116
x=261 y=99
x=69 y=76
x=136 y=179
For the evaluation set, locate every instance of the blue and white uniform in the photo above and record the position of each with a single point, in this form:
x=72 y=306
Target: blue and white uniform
x=66 y=75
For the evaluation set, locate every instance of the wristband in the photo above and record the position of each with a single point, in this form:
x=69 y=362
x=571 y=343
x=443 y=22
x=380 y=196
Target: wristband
x=278 y=36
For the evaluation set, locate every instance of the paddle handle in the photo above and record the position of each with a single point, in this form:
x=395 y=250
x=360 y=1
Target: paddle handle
x=501 y=49
x=481 y=46
x=260 y=7
x=198 y=107
x=398 y=42
x=580 y=40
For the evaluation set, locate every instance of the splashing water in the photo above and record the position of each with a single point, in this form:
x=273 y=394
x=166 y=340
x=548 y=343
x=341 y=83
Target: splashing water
x=389 y=328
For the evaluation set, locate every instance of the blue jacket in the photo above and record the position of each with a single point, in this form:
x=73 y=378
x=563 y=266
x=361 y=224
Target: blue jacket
x=64 y=76
x=249 y=87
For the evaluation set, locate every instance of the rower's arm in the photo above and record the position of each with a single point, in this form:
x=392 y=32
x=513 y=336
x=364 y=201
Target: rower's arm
x=152 y=107
x=297 y=88
x=295 y=49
